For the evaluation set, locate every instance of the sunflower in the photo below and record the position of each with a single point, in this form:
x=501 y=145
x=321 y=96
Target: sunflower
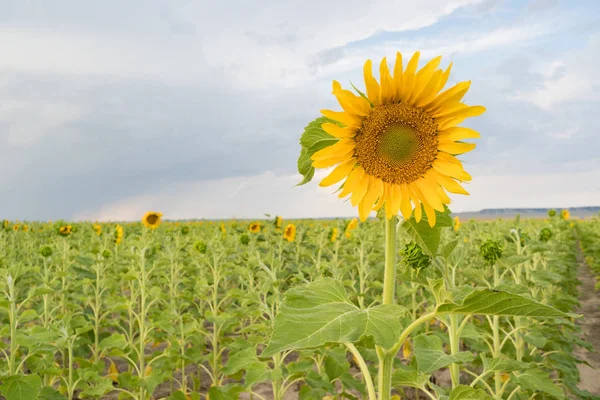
x=397 y=143
x=16 y=227
x=5 y=224
x=333 y=234
x=223 y=229
x=254 y=227
x=119 y=234
x=97 y=228
x=278 y=222
x=565 y=214
x=456 y=223
x=289 y=233
x=152 y=219
x=65 y=230
x=352 y=225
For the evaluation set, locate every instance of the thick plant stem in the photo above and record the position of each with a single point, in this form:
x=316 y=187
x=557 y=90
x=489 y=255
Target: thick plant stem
x=496 y=339
x=386 y=358
x=386 y=363
x=454 y=349
x=389 y=275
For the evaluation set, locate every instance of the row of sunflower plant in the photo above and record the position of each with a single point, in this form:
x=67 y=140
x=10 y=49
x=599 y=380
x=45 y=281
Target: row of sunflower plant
x=589 y=237
x=183 y=311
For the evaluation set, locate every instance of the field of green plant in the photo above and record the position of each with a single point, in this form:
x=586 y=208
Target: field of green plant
x=291 y=309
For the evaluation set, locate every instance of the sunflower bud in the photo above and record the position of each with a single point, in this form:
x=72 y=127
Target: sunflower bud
x=545 y=235
x=491 y=251
x=185 y=230
x=200 y=247
x=414 y=257
x=244 y=239
x=46 y=251
x=552 y=213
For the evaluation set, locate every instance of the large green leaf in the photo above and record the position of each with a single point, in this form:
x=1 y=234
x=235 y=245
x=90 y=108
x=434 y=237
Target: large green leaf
x=468 y=393
x=536 y=380
x=405 y=376
x=313 y=139
x=426 y=236
x=321 y=312
x=21 y=387
x=431 y=356
x=493 y=302
x=503 y=364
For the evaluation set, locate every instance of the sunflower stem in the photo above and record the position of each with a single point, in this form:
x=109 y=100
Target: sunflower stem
x=386 y=358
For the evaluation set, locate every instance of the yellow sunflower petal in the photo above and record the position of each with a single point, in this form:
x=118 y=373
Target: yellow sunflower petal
x=371 y=83
x=349 y=120
x=429 y=194
x=409 y=76
x=381 y=200
x=398 y=76
x=330 y=162
x=448 y=158
x=337 y=131
x=340 y=172
x=394 y=198
x=458 y=117
x=430 y=89
x=352 y=103
x=449 y=184
x=430 y=214
x=452 y=170
x=361 y=189
x=387 y=91
x=352 y=181
x=457 y=133
x=415 y=200
x=456 y=147
x=366 y=205
x=405 y=206
x=445 y=77
x=449 y=96
x=335 y=150
x=422 y=78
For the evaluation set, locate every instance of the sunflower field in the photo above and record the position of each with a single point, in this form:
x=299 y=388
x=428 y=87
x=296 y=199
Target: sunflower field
x=277 y=309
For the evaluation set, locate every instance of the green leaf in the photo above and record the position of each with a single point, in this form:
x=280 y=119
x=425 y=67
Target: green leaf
x=114 y=341
x=405 y=376
x=321 y=312
x=313 y=139
x=536 y=380
x=227 y=392
x=49 y=393
x=424 y=235
x=493 y=302
x=240 y=361
x=468 y=393
x=336 y=363
x=21 y=387
x=430 y=355
x=503 y=364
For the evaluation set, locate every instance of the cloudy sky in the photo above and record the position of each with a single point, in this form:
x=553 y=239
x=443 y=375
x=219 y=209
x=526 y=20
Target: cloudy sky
x=194 y=108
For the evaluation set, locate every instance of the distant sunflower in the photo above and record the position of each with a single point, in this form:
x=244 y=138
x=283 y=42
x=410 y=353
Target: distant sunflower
x=289 y=233
x=397 y=143
x=254 y=227
x=16 y=227
x=352 y=225
x=119 y=234
x=333 y=234
x=565 y=214
x=97 y=228
x=5 y=224
x=223 y=229
x=152 y=219
x=456 y=223
x=65 y=230
x=278 y=222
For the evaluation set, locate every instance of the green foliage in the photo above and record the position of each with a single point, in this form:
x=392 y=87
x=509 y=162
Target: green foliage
x=491 y=251
x=313 y=139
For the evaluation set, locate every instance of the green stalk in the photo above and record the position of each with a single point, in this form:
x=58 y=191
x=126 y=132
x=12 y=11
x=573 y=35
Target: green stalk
x=454 y=348
x=386 y=358
x=496 y=338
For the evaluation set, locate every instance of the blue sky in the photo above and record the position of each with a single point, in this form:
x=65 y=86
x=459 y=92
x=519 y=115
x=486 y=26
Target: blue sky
x=193 y=108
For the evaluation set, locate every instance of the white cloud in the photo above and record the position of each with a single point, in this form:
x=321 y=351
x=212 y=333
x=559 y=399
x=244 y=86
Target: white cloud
x=252 y=197
x=574 y=77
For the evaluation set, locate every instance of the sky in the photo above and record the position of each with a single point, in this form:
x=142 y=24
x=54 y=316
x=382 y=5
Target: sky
x=194 y=108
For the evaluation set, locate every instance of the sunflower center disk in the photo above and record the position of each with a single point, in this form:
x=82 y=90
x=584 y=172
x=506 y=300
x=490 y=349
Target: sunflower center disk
x=152 y=219
x=397 y=143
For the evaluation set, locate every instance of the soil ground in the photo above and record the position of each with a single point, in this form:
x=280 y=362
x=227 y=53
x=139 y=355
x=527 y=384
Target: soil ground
x=590 y=325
